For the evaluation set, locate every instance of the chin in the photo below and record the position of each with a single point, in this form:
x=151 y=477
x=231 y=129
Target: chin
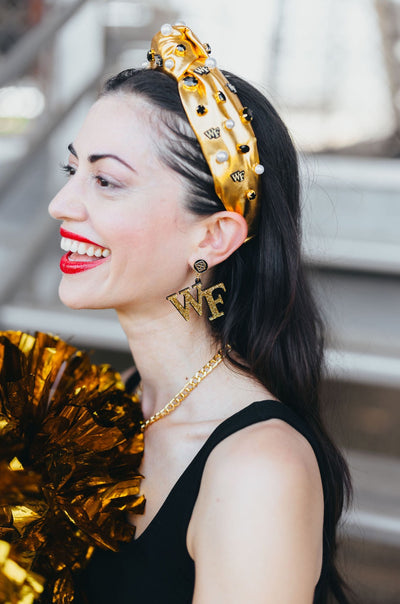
x=76 y=299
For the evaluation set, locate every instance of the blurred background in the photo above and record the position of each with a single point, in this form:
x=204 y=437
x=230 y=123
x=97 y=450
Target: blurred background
x=332 y=69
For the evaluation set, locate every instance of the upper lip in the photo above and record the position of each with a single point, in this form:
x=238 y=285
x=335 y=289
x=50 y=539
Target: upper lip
x=77 y=237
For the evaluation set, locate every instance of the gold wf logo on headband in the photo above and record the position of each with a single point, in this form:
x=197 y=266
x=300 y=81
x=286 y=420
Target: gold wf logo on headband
x=221 y=124
x=213 y=133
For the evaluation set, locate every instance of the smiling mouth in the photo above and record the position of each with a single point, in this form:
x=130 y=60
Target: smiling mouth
x=81 y=256
x=79 y=248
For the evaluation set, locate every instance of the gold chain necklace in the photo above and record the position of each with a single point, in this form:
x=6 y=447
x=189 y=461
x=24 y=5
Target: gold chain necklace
x=187 y=389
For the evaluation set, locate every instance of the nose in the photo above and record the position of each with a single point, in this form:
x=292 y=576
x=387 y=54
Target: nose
x=68 y=204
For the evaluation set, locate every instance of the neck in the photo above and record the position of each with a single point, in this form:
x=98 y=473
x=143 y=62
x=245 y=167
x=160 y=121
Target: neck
x=167 y=351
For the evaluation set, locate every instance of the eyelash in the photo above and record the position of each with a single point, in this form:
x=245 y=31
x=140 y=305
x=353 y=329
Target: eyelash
x=103 y=182
x=69 y=170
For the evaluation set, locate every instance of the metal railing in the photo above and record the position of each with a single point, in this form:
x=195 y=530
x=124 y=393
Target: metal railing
x=24 y=53
x=17 y=62
x=14 y=66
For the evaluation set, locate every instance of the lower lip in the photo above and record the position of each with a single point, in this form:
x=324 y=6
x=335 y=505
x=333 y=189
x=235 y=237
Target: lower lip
x=70 y=268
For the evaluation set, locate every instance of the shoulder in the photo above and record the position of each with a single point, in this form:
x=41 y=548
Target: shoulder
x=261 y=497
x=267 y=454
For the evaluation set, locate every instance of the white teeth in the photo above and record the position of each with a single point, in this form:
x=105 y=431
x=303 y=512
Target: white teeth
x=65 y=244
x=71 y=245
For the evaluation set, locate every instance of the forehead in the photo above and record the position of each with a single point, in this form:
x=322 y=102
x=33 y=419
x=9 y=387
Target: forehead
x=116 y=123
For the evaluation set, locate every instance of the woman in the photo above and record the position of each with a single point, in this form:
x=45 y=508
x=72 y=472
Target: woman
x=181 y=180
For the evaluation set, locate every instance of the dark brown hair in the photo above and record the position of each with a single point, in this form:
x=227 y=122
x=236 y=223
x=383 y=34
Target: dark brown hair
x=270 y=316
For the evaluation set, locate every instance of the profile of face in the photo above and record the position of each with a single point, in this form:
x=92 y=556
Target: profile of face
x=124 y=222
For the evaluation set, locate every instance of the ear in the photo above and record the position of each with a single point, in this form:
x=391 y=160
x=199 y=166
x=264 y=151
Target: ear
x=220 y=235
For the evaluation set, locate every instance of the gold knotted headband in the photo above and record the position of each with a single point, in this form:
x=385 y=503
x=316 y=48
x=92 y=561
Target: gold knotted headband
x=221 y=124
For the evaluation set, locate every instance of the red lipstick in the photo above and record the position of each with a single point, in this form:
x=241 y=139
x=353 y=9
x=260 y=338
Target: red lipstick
x=70 y=268
x=76 y=237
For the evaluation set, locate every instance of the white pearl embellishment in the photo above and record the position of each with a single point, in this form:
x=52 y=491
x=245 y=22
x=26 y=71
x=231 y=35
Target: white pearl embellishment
x=259 y=169
x=166 y=29
x=169 y=64
x=211 y=63
x=221 y=156
x=229 y=124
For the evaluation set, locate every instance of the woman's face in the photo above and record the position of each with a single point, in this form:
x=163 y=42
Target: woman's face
x=124 y=209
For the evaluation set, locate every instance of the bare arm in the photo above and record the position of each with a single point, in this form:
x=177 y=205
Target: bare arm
x=256 y=530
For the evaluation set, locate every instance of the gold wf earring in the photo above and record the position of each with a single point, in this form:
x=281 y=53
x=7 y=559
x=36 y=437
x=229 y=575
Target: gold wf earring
x=200 y=266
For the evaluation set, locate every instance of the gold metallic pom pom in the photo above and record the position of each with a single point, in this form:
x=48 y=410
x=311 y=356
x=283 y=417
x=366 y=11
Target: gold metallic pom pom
x=65 y=426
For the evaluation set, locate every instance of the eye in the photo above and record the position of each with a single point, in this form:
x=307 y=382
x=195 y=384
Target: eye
x=103 y=182
x=68 y=169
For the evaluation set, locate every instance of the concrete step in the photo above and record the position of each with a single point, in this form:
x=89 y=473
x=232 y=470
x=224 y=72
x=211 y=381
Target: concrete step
x=375 y=515
x=351 y=213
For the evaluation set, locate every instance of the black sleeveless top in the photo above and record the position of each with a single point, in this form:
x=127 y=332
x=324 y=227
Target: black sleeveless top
x=156 y=567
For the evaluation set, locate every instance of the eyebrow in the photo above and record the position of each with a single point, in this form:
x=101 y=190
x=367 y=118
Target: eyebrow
x=97 y=156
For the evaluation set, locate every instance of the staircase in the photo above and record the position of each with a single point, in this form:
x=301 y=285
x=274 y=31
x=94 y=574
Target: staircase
x=352 y=247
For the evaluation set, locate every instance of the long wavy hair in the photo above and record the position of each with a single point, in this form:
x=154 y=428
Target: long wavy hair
x=270 y=317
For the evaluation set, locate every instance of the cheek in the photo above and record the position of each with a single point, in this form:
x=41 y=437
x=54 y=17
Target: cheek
x=146 y=252
x=145 y=228
x=150 y=225
x=155 y=253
